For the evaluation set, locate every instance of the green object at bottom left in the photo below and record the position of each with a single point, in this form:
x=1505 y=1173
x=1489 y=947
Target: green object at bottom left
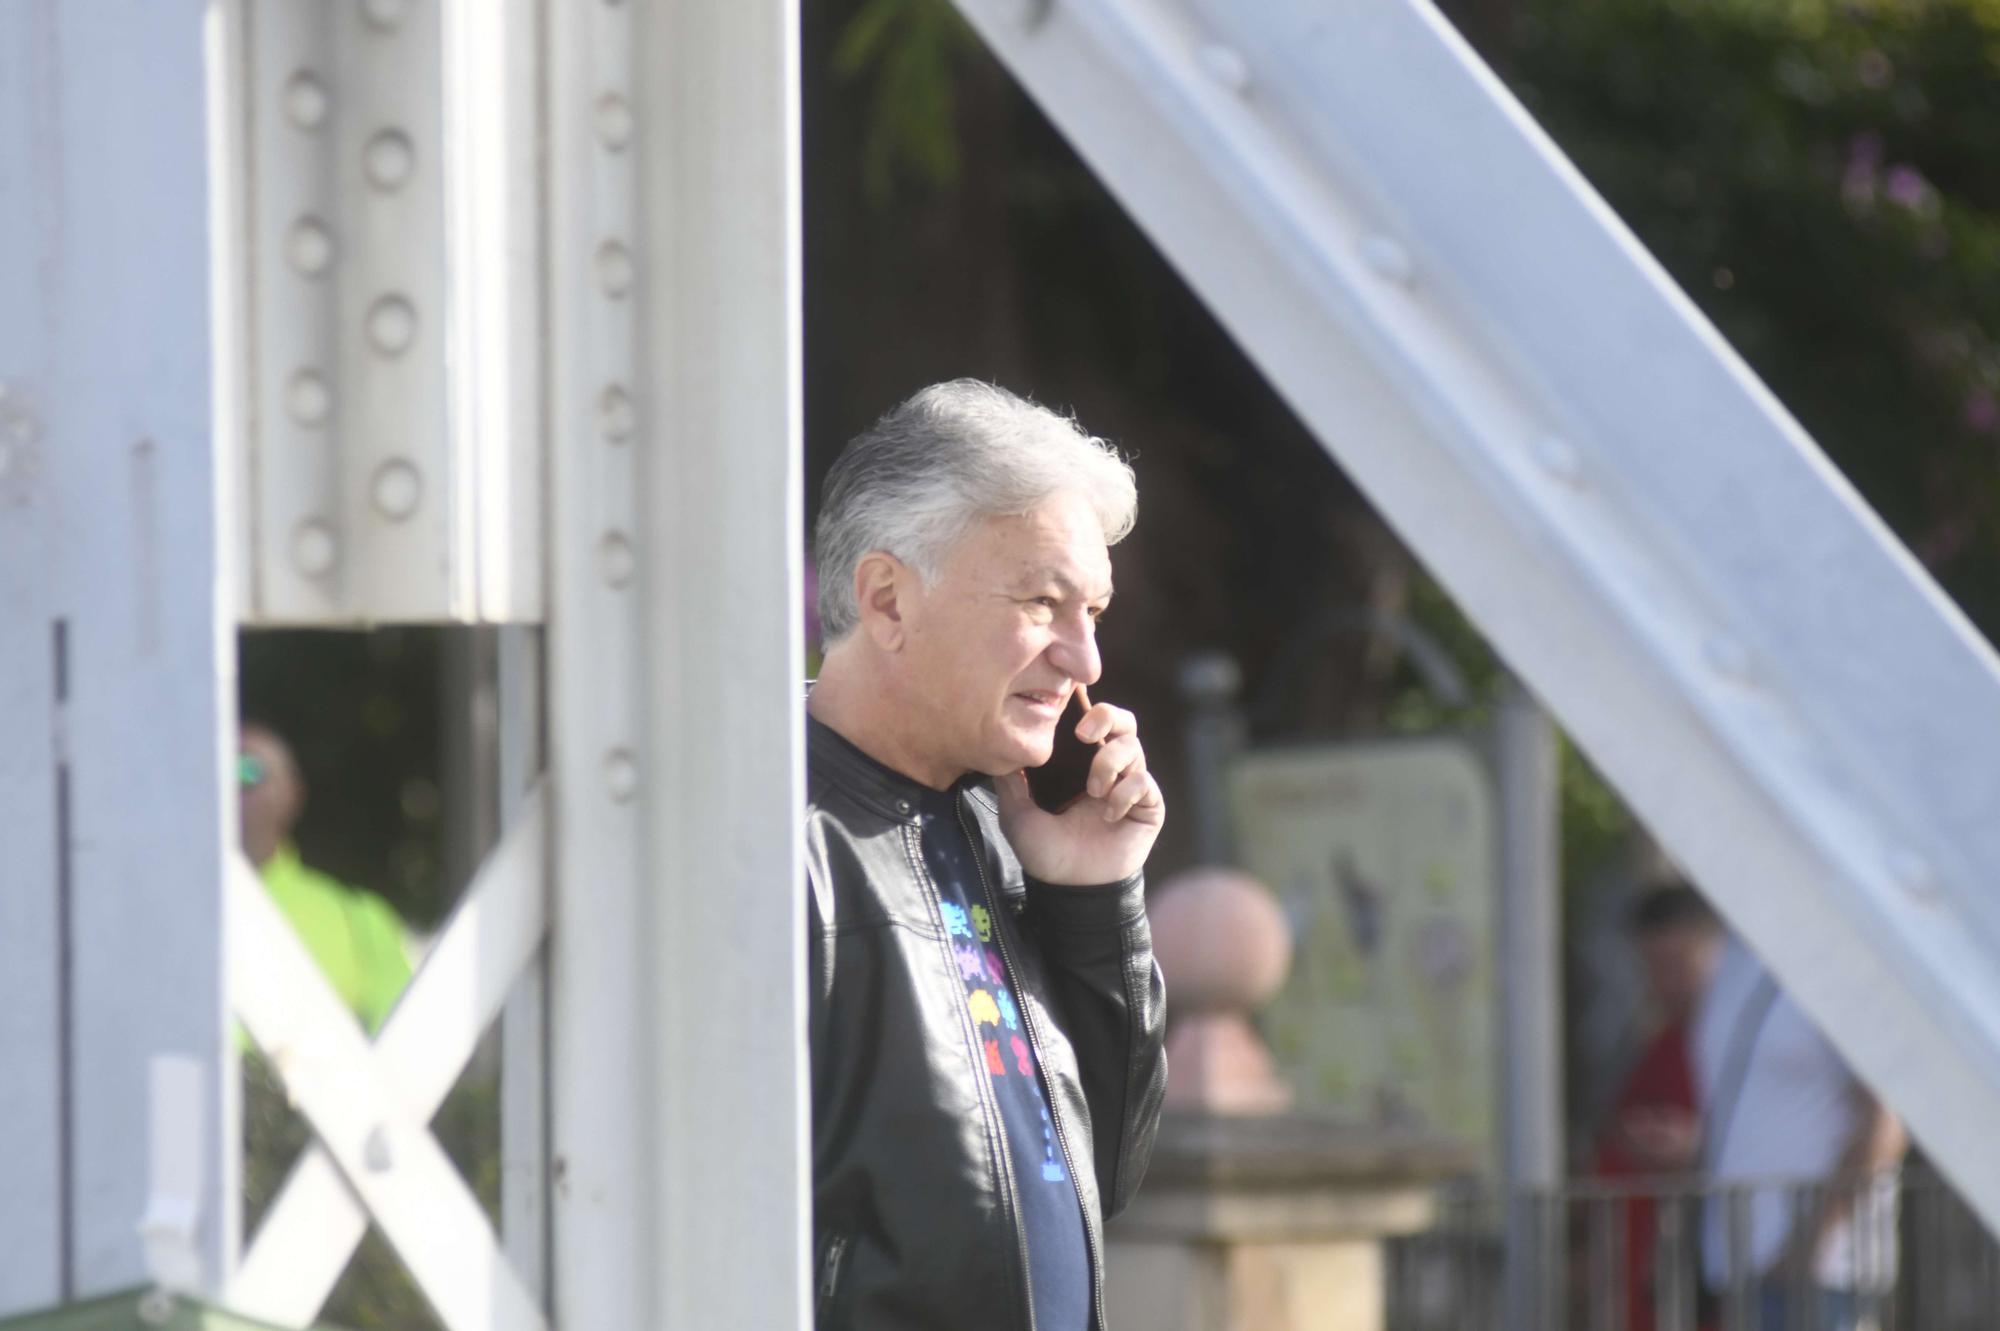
x=138 y=1310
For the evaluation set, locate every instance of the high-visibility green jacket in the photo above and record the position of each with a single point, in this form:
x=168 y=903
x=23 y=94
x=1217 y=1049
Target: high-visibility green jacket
x=355 y=936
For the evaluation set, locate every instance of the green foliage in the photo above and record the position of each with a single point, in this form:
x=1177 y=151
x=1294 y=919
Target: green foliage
x=908 y=51
x=1824 y=180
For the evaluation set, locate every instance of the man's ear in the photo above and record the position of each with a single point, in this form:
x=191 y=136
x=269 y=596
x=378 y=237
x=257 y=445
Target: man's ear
x=881 y=581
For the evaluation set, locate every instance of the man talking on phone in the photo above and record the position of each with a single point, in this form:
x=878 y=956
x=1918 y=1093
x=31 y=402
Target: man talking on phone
x=986 y=1016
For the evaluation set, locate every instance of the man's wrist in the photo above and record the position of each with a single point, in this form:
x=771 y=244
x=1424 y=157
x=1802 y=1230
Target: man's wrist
x=1089 y=905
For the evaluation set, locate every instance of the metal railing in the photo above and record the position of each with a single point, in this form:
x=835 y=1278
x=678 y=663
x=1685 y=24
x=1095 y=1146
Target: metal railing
x=1628 y=1255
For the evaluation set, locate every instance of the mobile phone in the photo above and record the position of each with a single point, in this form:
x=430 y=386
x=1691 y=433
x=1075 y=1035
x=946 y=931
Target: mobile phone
x=1059 y=782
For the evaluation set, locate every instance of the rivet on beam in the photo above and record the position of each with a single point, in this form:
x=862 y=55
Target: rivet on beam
x=614 y=121
x=392 y=325
x=1023 y=13
x=1915 y=876
x=384 y=13
x=313 y=548
x=387 y=159
x=621 y=775
x=1559 y=458
x=1225 y=65
x=18 y=424
x=309 y=247
x=616 y=416
x=617 y=559
x=614 y=269
x=1390 y=259
x=306 y=101
x=308 y=398
x=396 y=488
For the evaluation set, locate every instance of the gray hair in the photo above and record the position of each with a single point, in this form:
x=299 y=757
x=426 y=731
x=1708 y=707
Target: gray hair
x=913 y=482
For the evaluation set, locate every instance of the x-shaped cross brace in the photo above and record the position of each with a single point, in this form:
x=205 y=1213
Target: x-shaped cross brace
x=370 y=1106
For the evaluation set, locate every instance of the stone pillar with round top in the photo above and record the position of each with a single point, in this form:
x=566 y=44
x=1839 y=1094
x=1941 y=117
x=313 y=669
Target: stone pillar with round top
x=1254 y=1215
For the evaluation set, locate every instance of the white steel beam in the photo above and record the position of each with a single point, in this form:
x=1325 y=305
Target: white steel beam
x=1656 y=547
x=721 y=490
x=116 y=660
x=676 y=973
x=388 y=268
x=601 y=1130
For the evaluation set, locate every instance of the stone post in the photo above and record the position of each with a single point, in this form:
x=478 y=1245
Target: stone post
x=1254 y=1217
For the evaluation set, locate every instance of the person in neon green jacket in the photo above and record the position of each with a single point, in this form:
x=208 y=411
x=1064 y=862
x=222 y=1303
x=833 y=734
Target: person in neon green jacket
x=357 y=938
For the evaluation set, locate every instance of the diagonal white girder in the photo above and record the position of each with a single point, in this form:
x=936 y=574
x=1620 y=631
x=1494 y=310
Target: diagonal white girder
x=1634 y=521
x=317 y=1220
x=370 y=1108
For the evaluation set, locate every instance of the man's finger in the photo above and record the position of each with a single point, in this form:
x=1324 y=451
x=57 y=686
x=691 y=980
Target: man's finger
x=1137 y=791
x=1117 y=759
x=1104 y=721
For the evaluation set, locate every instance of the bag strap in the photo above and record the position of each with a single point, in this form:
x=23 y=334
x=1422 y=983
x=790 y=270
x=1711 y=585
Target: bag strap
x=1735 y=1069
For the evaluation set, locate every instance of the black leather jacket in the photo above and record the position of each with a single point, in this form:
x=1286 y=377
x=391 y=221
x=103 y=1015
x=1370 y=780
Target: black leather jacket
x=914 y=1198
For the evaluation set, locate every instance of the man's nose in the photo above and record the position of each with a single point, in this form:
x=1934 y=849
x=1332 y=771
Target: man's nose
x=1075 y=651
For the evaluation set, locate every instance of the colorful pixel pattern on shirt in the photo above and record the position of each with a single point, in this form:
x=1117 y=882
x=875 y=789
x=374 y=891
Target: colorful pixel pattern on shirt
x=1051 y=1215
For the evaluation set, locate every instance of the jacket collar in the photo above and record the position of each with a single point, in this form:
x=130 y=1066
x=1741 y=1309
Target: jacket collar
x=835 y=760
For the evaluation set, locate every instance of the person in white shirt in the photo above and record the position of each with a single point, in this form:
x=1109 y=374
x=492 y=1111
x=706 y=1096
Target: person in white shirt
x=1781 y=1111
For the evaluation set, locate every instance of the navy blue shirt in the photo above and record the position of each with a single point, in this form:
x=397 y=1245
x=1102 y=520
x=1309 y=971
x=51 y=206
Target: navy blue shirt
x=1051 y=1213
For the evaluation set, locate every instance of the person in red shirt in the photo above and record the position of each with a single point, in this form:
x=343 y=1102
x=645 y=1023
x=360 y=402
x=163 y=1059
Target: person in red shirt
x=1654 y=1127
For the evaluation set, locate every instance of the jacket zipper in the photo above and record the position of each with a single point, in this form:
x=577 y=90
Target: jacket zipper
x=829 y=1275
x=1055 y=1114
x=983 y=1081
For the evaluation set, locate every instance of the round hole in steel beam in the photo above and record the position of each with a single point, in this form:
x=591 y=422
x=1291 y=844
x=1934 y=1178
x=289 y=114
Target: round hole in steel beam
x=388 y=159
x=392 y=325
x=306 y=102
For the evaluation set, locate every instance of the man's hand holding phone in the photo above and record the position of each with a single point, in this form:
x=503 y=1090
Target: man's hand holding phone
x=1096 y=830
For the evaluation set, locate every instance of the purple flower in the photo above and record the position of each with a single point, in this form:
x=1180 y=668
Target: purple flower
x=1907 y=188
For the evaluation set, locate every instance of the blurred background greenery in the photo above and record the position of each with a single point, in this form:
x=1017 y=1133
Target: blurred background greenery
x=1822 y=179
